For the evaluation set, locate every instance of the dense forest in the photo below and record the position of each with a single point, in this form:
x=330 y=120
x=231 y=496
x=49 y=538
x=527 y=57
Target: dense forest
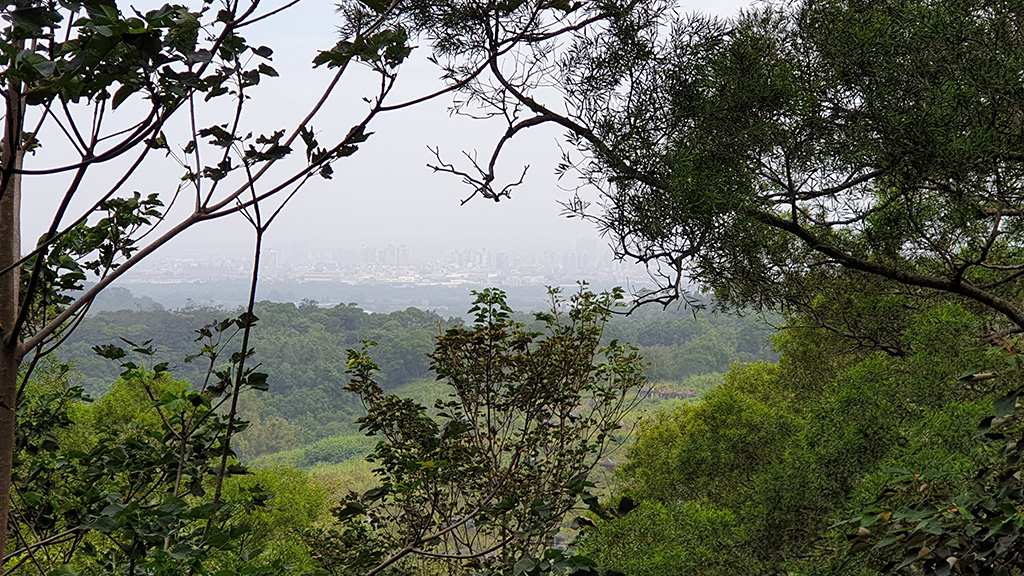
x=303 y=350
x=776 y=470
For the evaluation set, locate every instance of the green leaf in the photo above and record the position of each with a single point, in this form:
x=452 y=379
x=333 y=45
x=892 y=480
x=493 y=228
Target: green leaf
x=258 y=381
x=337 y=56
x=626 y=505
x=32 y=20
x=985 y=425
x=238 y=469
x=219 y=136
x=523 y=566
x=121 y=95
x=910 y=557
x=109 y=351
x=376 y=493
x=1006 y=405
x=350 y=509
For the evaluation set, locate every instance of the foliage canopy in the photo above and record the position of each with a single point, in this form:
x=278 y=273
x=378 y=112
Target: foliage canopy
x=756 y=153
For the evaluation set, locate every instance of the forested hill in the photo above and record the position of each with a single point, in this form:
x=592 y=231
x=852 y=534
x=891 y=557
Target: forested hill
x=303 y=349
x=680 y=342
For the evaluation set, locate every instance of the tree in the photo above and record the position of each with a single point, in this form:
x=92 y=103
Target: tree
x=488 y=474
x=663 y=540
x=121 y=89
x=760 y=476
x=134 y=483
x=797 y=139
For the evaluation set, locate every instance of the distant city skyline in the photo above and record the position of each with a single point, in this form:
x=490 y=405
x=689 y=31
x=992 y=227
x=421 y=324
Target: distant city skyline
x=586 y=259
x=376 y=278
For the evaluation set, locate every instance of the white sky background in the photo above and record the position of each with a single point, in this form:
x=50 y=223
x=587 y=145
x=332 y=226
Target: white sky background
x=385 y=193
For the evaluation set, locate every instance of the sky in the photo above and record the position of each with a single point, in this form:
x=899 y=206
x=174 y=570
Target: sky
x=385 y=193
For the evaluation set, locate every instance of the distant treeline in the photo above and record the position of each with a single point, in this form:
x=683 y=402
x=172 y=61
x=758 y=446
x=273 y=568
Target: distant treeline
x=303 y=349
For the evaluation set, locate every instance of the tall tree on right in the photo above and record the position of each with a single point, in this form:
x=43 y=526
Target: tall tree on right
x=795 y=139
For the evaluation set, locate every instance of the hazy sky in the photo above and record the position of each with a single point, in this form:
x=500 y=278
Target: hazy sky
x=385 y=193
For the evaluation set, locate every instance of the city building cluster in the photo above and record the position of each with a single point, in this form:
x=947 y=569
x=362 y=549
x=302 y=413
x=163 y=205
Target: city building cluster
x=400 y=265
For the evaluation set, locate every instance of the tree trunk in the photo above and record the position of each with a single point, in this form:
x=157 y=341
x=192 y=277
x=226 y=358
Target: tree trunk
x=8 y=391
x=11 y=156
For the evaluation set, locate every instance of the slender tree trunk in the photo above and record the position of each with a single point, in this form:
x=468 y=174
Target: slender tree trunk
x=8 y=392
x=11 y=156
